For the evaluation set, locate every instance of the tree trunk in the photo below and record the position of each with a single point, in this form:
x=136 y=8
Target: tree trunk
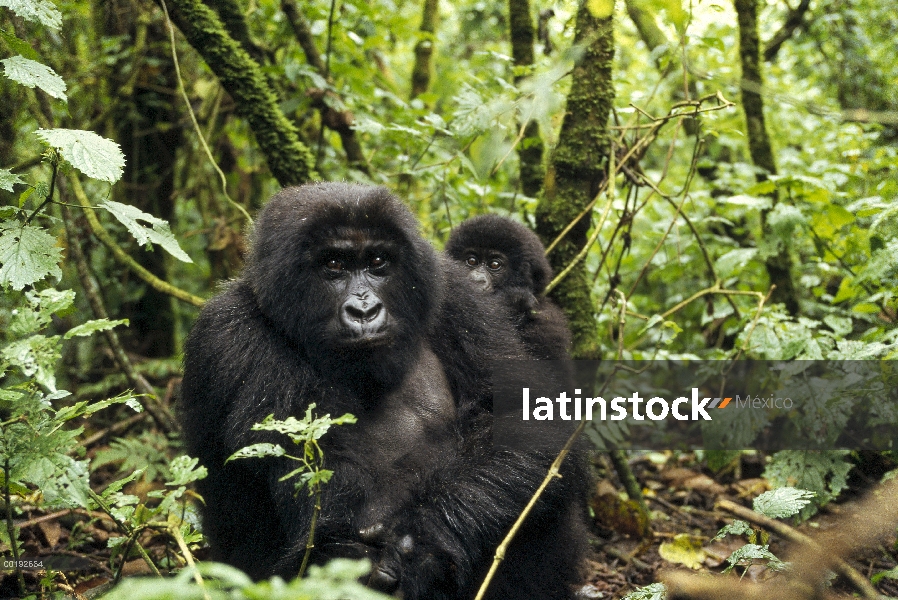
x=290 y=161
x=779 y=265
x=530 y=150
x=424 y=48
x=576 y=171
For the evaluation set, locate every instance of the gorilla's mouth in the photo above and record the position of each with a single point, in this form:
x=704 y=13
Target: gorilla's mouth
x=366 y=339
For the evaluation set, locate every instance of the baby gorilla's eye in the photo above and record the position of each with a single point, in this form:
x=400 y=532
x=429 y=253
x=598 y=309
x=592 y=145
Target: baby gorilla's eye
x=494 y=265
x=378 y=262
x=334 y=265
x=472 y=261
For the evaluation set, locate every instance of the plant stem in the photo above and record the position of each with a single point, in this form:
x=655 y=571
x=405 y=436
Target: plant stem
x=310 y=543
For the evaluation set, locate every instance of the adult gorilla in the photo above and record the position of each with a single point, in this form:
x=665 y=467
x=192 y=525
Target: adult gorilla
x=343 y=304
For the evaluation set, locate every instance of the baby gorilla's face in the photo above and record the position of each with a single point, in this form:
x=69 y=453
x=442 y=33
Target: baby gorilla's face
x=488 y=268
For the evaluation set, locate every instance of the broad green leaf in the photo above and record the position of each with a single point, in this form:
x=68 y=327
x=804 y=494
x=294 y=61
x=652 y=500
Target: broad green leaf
x=90 y=327
x=655 y=591
x=36 y=356
x=33 y=318
x=18 y=46
x=184 y=470
x=31 y=73
x=749 y=553
x=27 y=255
x=750 y=201
x=53 y=301
x=23 y=197
x=258 y=450
x=92 y=154
x=737 y=527
x=830 y=220
x=842 y=326
x=734 y=261
x=39 y=11
x=9 y=179
x=762 y=188
x=159 y=234
x=782 y=502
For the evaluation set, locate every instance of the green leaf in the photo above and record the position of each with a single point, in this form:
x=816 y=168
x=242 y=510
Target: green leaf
x=734 y=261
x=891 y=574
x=31 y=73
x=27 y=255
x=9 y=179
x=655 y=591
x=92 y=154
x=737 y=527
x=752 y=552
x=258 y=451
x=159 y=234
x=35 y=356
x=830 y=220
x=39 y=11
x=184 y=470
x=762 y=188
x=18 y=46
x=90 y=327
x=782 y=502
x=33 y=318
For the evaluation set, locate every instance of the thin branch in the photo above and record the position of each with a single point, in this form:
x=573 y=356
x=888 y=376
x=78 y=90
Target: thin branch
x=175 y=532
x=196 y=126
x=794 y=20
x=123 y=257
x=91 y=290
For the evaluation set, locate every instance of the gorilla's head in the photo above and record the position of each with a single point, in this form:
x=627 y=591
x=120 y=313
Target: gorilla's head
x=500 y=254
x=342 y=270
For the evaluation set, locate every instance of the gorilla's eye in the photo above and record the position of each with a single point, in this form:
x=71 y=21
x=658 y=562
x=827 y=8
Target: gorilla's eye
x=494 y=265
x=377 y=263
x=472 y=261
x=334 y=265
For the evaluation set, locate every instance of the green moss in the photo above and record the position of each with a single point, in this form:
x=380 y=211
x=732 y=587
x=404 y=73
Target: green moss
x=575 y=174
x=289 y=160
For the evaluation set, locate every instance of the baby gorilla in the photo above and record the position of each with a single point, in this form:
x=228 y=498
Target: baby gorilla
x=507 y=259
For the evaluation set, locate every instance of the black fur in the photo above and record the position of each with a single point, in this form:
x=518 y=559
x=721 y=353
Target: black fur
x=519 y=282
x=417 y=485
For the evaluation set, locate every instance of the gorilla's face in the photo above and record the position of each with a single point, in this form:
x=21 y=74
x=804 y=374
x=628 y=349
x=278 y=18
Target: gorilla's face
x=342 y=271
x=356 y=272
x=488 y=268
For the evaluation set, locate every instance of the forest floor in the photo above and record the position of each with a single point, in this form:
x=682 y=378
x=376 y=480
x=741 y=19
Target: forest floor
x=683 y=498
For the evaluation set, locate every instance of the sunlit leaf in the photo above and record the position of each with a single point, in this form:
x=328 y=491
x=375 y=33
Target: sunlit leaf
x=92 y=154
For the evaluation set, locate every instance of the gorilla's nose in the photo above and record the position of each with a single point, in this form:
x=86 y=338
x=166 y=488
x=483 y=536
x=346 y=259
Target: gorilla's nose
x=362 y=315
x=481 y=280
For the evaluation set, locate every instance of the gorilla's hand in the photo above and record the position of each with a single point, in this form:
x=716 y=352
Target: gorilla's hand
x=419 y=570
x=521 y=301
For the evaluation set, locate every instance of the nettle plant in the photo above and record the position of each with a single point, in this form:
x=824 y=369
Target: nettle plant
x=40 y=457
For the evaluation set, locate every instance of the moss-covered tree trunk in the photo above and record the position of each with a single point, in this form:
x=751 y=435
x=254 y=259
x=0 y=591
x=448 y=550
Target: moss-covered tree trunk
x=577 y=169
x=290 y=161
x=530 y=150
x=645 y=23
x=424 y=48
x=779 y=265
